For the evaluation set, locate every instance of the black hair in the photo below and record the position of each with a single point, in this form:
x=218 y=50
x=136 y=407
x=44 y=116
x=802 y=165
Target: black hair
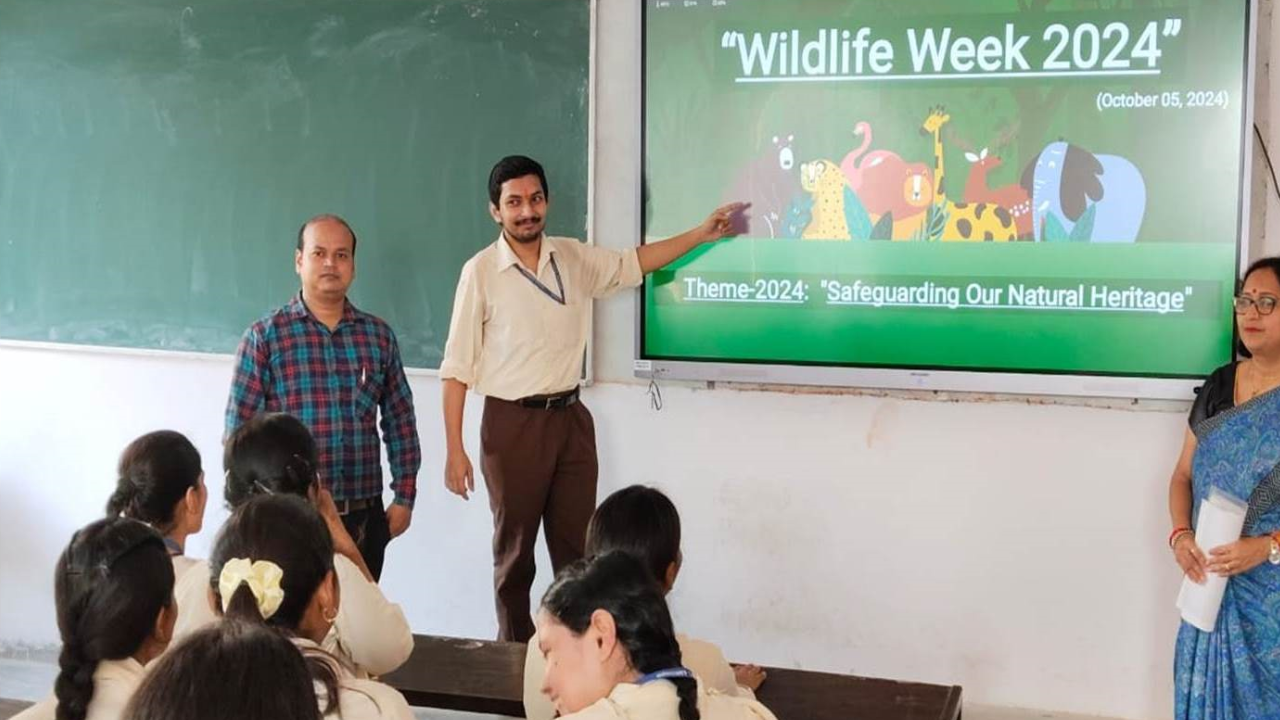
x=512 y=167
x=334 y=218
x=288 y=531
x=231 y=670
x=154 y=474
x=1271 y=263
x=111 y=583
x=618 y=583
x=640 y=520
x=270 y=453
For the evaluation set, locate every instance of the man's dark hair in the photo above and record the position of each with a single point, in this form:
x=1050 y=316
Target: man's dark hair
x=334 y=218
x=512 y=167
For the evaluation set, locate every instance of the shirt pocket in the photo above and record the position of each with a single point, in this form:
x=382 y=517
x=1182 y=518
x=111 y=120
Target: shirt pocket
x=368 y=395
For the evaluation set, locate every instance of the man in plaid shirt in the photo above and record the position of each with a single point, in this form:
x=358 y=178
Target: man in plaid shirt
x=334 y=367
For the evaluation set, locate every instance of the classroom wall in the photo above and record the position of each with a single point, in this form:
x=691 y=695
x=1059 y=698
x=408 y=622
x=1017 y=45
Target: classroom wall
x=1013 y=547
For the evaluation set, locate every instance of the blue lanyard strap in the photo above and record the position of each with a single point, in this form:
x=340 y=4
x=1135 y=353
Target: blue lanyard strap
x=538 y=283
x=666 y=674
x=172 y=546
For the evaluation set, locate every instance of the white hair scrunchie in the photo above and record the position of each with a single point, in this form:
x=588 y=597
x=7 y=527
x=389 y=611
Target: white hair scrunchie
x=263 y=578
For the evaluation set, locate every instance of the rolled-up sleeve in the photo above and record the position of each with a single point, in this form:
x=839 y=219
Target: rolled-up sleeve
x=609 y=270
x=466 y=330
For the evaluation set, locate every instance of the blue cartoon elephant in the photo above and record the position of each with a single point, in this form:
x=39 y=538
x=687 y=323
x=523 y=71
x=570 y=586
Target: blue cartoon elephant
x=1079 y=196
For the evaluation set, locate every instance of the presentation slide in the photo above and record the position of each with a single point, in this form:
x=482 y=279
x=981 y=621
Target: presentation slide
x=1019 y=186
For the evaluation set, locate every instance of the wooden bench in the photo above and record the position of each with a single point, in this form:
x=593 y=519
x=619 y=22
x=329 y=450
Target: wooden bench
x=9 y=708
x=483 y=676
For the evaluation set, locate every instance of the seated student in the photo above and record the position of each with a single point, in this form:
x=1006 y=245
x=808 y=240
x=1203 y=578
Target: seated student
x=644 y=522
x=160 y=482
x=611 y=653
x=273 y=563
x=273 y=453
x=231 y=669
x=113 y=588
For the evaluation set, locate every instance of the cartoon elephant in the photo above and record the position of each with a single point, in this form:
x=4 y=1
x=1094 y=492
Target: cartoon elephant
x=770 y=183
x=1066 y=180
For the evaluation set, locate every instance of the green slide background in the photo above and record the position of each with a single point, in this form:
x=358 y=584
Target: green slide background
x=701 y=130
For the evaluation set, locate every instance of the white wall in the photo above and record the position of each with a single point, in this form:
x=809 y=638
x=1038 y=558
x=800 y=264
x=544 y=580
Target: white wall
x=1013 y=548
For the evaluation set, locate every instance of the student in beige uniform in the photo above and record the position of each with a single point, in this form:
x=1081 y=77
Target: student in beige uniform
x=521 y=317
x=611 y=653
x=274 y=453
x=644 y=522
x=113 y=587
x=160 y=482
x=274 y=565
x=191 y=681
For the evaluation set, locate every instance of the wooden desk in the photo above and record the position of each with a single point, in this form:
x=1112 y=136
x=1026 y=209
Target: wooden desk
x=483 y=676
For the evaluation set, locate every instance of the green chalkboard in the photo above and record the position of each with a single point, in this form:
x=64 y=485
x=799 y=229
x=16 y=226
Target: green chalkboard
x=157 y=157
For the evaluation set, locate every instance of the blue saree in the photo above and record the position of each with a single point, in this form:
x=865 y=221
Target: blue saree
x=1233 y=673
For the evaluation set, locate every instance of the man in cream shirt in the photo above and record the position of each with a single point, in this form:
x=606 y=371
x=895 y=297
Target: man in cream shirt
x=520 y=323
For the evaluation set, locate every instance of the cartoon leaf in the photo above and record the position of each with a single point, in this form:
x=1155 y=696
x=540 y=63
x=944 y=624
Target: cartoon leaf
x=855 y=216
x=936 y=221
x=884 y=228
x=1053 y=230
x=799 y=214
x=1083 y=231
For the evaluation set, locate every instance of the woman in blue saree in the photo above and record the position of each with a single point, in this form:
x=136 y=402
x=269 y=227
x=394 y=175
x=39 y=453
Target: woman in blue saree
x=1233 y=445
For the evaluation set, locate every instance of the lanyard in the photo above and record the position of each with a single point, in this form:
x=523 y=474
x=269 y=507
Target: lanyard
x=665 y=674
x=538 y=283
x=172 y=546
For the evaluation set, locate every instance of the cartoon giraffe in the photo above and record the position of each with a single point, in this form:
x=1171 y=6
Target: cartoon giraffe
x=979 y=222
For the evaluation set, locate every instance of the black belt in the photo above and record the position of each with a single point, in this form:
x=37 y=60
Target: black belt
x=349 y=506
x=550 y=402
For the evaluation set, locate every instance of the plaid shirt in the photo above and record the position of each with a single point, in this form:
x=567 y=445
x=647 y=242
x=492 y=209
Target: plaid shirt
x=335 y=383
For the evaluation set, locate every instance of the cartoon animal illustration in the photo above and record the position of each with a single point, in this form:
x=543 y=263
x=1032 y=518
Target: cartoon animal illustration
x=1071 y=186
x=823 y=180
x=965 y=221
x=887 y=184
x=1011 y=197
x=771 y=184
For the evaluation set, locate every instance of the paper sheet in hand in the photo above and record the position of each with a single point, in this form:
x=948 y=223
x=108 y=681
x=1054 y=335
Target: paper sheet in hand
x=1220 y=522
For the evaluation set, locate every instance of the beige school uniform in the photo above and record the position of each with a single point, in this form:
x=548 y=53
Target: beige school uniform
x=658 y=700
x=114 y=683
x=370 y=631
x=359 y=698
x=703 y=658
x=182 y=565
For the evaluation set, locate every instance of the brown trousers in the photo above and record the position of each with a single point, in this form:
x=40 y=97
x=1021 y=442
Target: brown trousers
x=540 y=468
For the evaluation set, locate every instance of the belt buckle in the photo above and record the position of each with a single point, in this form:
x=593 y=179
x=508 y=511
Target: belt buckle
x=547 y=404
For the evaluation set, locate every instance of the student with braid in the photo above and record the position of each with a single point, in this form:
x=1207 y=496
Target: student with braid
x=274 y=454
x=273 y=564
x=231 y=669
x=611 y=654
x=644 y=522
x=161 y=483
x=113 y=587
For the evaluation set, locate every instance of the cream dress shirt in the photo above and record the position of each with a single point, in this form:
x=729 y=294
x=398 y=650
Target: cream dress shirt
x=507 y=338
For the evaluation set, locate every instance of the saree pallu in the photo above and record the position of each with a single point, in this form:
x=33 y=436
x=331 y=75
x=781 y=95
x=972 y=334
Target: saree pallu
x=1233 y=673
